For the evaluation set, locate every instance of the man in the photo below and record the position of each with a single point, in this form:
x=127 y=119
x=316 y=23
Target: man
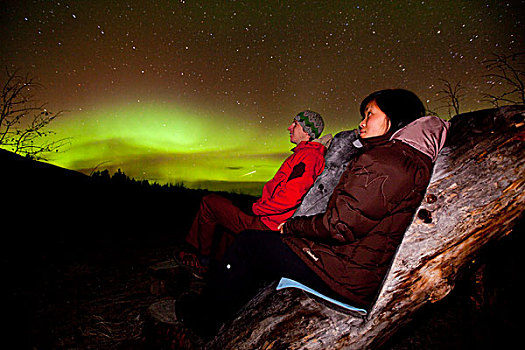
x=280 y=196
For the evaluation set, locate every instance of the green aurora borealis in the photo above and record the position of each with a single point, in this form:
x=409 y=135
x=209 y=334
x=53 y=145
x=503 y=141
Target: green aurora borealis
x=203 y=91
x=169 y=144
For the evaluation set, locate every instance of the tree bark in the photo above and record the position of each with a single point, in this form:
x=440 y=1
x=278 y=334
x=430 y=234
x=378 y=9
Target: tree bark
x=476 y=195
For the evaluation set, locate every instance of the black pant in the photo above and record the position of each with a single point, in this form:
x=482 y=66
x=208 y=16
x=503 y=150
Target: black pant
x=257 y=256
x=254 y=257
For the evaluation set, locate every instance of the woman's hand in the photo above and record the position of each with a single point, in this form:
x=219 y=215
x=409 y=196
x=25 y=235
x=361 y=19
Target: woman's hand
x=281 y=227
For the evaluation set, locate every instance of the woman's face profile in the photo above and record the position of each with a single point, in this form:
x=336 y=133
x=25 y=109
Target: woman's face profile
x=375 y=122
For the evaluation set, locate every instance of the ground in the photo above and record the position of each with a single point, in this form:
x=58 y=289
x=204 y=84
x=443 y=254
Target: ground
x=98 y=300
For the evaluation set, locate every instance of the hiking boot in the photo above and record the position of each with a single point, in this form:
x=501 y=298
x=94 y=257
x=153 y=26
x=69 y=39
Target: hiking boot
x=198 y=266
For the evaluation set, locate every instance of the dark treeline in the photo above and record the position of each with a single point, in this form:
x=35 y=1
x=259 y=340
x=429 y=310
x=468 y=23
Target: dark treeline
x=119 y=178
x=62 y=212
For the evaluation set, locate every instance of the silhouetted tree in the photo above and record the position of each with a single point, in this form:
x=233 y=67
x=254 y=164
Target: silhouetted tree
x=452 y=94
x=120 y=177
x=101 y=176
x=507 y=71
x=24 y=121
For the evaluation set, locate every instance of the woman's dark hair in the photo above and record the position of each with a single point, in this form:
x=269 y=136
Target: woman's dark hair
x=400 y=106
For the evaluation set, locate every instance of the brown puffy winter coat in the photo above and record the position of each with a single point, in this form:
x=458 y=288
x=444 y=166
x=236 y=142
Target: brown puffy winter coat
x=352 y=244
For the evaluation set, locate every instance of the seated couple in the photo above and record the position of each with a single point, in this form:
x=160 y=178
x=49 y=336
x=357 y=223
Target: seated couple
x=345 y=249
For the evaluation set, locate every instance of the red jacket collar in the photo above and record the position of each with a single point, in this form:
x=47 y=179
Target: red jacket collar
x=309 y=144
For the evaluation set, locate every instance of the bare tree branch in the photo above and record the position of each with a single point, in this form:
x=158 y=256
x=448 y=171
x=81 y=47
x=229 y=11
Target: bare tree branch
x=452 y=94
x=507 y=71
x=23 y=121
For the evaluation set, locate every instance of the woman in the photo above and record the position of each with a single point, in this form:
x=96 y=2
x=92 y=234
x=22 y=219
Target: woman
x=346 y=251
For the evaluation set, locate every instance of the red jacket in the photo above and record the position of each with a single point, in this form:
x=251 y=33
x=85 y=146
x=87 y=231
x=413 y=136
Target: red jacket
x=282 y=195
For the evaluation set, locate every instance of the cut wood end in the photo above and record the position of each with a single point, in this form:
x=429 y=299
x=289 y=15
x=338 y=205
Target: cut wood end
x=440 y=292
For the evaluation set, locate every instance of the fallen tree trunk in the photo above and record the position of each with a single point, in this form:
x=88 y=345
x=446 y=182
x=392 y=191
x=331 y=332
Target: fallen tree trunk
x=475 y=196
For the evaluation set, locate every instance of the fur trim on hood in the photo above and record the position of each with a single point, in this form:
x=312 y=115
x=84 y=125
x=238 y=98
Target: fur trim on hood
x=427 y=135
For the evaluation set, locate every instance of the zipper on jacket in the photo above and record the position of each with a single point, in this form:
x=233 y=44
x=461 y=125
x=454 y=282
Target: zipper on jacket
x=310 y=254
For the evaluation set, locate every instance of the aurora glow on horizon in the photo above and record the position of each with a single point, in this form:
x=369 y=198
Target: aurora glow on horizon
x=168 y=145
x=173 y=91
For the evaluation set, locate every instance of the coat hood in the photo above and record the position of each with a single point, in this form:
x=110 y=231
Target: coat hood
x=325 y=140
x=427 y=135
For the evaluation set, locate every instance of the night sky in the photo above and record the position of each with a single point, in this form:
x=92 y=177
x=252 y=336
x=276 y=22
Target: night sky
x=173 y=91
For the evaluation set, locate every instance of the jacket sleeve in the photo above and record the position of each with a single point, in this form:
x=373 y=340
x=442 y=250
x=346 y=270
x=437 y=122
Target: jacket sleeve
x=366 y=193
x=287 y=194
